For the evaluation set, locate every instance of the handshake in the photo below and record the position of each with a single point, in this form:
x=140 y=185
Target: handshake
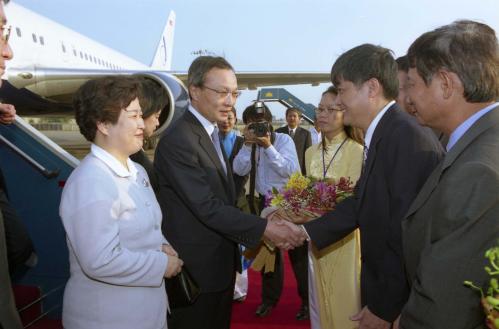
x=284 y=234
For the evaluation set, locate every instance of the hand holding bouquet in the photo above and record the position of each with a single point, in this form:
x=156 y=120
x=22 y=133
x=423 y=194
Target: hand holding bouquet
x=303 y=198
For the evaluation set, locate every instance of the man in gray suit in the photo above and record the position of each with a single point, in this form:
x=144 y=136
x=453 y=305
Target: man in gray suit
x=453 y=84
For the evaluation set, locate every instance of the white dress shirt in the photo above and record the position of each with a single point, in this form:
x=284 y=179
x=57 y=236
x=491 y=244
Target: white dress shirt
x=372 y=127
x=275 y=164
x=316 y=135
x=113 y=226
x=207 y=125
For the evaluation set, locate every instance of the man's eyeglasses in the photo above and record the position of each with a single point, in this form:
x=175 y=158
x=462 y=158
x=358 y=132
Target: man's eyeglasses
x=225 y=93
x=6 y=33
x=328 y=111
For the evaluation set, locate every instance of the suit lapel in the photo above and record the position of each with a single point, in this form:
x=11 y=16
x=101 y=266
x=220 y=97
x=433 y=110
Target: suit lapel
x=206 y=144
x=371 y=154
x=428 y=187
x=484 y=123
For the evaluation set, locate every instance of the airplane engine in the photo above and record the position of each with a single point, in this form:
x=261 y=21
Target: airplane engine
x=50 y=92
x=178 y=98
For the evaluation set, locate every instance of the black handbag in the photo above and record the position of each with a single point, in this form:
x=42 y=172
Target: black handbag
x=181 y=289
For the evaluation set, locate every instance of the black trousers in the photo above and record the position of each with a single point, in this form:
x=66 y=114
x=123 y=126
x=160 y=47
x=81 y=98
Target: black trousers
x=272 y=282
x=210 y=311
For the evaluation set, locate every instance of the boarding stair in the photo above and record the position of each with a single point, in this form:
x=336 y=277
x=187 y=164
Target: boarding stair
x=287 y=99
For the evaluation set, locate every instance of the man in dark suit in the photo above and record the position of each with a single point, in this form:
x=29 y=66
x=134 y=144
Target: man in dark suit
x=400 y=155
x=454 y=87
x=301 y=136
x=8 y=313
x=198 y=195
x=299 y=256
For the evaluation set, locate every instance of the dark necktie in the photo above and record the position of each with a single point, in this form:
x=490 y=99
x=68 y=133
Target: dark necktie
x=216 y=142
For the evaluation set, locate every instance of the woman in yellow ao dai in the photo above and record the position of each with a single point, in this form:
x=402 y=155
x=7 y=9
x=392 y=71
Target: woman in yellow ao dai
x=334 y=272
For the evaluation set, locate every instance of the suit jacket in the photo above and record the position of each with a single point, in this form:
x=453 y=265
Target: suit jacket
x=9 y=318
x=18 y=242
x=401 y=156
x=303 y=140
x=202 y=223
x=239 y=181
x=451 y=223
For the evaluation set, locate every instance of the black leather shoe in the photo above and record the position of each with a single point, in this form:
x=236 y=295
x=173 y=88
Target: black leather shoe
x=263 y=310
x=303 y=313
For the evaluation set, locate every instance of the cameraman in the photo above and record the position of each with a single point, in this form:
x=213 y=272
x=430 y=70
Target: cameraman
x=275 y=160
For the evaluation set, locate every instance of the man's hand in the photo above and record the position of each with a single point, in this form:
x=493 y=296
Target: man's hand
x=264 y=141
x=283 y=234
x=167 y=249
x=396 y=324
x=368 y=320
x=174 y=266
x=249 y=136
x=7 y=113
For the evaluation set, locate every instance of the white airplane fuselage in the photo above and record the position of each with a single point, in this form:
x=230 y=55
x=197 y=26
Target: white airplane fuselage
x=38 y=42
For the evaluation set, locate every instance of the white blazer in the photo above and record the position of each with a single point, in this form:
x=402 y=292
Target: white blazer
x=113 y=226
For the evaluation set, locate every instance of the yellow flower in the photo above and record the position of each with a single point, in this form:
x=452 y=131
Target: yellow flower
x=298 y=182
x=276 y=201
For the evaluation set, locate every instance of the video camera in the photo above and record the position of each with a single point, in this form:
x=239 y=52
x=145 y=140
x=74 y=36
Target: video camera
x=260 y=128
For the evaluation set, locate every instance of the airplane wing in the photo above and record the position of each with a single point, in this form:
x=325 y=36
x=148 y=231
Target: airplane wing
x=58 y=84
x=253 y=80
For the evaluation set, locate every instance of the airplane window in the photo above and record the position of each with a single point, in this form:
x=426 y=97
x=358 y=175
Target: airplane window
x=18 y=31
x=74 y=52
x=62 y=45
x=42 y=41
x=34 y=37
x=81 y=55
x=86 y=57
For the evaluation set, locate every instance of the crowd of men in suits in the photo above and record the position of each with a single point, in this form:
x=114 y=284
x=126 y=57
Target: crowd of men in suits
x=420 y=211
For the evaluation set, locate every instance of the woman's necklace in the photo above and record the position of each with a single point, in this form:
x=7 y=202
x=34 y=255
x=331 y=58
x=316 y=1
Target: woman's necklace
x=324 y=168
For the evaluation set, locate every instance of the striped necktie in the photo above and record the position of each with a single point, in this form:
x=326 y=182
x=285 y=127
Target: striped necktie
x=364 y=158
x=216 y=142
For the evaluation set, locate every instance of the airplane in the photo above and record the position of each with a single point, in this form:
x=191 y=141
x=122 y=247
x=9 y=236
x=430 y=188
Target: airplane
x=50 y=62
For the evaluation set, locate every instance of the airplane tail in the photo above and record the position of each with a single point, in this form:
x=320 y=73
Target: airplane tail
x=163 y=57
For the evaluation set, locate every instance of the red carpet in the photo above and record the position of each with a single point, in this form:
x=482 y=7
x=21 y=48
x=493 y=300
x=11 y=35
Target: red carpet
x=243 y=314
x=282 y=316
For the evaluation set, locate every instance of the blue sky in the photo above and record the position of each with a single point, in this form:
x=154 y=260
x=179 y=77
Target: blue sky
x=258 y=35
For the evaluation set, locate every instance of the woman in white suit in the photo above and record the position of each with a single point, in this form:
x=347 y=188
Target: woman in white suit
x=117 y=254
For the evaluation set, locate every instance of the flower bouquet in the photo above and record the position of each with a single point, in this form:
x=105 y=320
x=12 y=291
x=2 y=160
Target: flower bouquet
x=303 y=198
x=490 y=301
